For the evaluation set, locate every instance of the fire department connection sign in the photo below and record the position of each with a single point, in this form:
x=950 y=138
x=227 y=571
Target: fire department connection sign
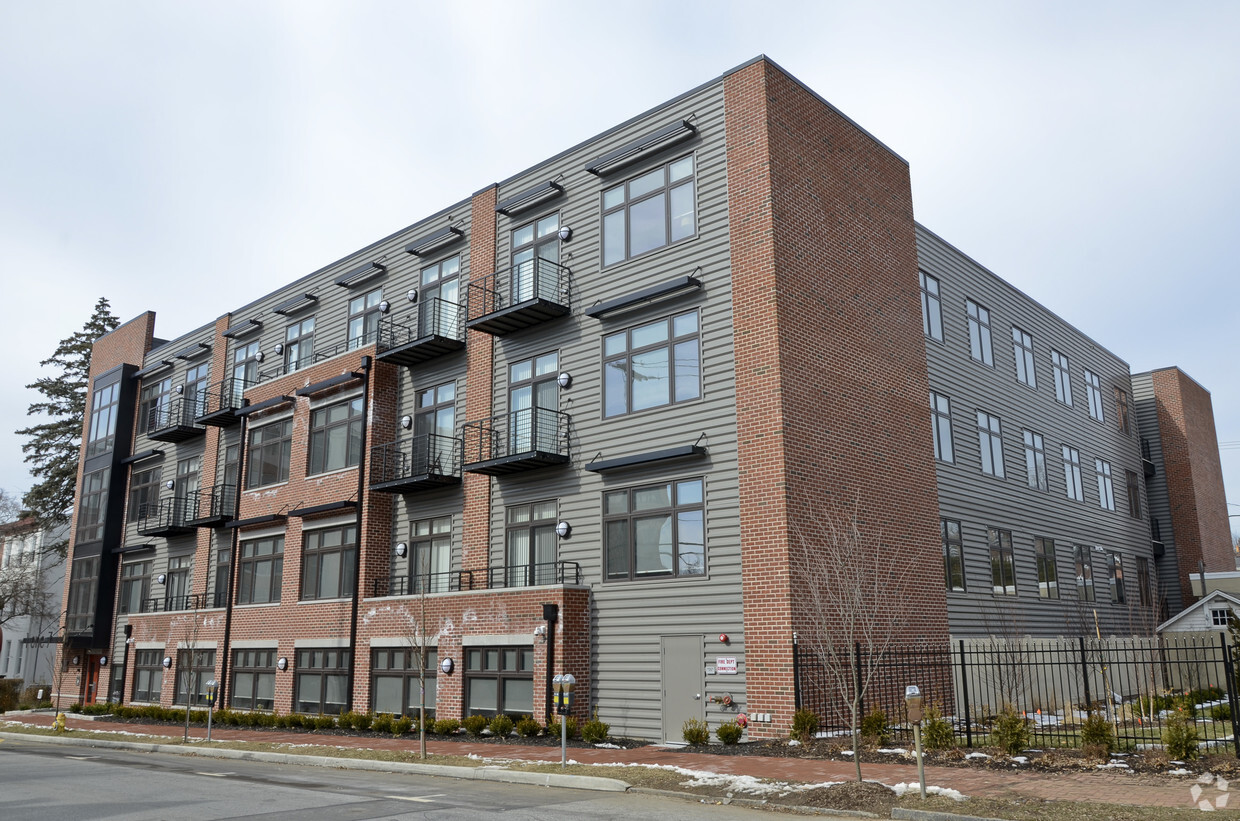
x=725 y=665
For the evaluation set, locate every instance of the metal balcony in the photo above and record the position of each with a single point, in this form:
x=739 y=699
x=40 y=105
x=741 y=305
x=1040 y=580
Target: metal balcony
x=435 y=328
x=521 y=440
x=532 y=575
x=175 y=420
x=418 y=463
x=220 y=403
x=533 y=292
x=213 y=507
x=450 y=582
x=167 y=517
x=196 y=601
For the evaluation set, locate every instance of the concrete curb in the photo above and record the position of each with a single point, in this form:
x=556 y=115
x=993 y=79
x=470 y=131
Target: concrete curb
x=760 y=803
x=926 y=815
x=576 y=782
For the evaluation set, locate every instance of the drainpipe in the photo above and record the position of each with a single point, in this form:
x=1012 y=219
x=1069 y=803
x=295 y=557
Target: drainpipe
x=357 y=561
x=225 y=691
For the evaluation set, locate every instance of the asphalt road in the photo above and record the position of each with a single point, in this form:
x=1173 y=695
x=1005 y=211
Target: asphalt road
x=42 y=782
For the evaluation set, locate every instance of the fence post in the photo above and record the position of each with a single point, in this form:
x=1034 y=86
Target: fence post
x=1229 y=670
x=857 y=669
x=796 y=672
x=964 y=686
x=1085 y=675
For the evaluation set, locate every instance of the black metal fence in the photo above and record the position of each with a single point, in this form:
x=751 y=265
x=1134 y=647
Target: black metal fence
x=1136 y=683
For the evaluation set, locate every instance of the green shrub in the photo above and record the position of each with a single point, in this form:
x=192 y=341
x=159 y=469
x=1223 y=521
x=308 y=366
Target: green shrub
x=402 y=725
x=1220 y=712
x=1096 y=732
x=97 y=709
x=695 y=731
x=345 y=720
x=936 y=731
x=804 y=725
x=1010 y=731
x=553 y=729
x=10 y=693
x=1179 y=736
x=527 y=727
x=447 y=726
x=382 y=723
x=322 y=722
x=730 y=733
x=501 y=726
x=595 y=731
x=75 y=707
x=874 y=727
x=475 y=724
x=362 y=721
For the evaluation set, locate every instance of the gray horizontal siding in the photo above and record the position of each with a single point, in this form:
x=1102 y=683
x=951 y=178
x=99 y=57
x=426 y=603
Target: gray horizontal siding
x=1159 y=498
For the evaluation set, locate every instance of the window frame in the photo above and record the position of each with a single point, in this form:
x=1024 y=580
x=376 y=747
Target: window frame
x=335 y=666
x=190 y=663
x=1036 y=476
x=1106 y=486
x=1022 y=350
x=1062 y=368
x=299 y=344
x=499 y=674
x=1002 y=561
x=103 y=412
x=1122 y=410
x=148 y=676
x=258 y=666
x=1073 y=482
x=1048 y=567
x=1115 y=576
x=941 y=427
x=427 y=539
x=269 y=448
x=319 y=449
x=953 y=555
x=674 y=514
x=931 y=306
x=628 y=201
x=990 y=444
x=1144 y=588
x=1083 y=565
x=1132 y=488
x=134 y=575
x=314 y=554
x=364 y=313
x=400 y=663
x=1093 y=394
x=154 y=395
x=671 y=342
x=981 y=336
x=144 y=491
x=249 y=570
x=93 y=506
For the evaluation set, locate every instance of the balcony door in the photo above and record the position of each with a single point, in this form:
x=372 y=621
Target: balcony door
x=533 y=387
x=531 y=243
x=530 y=545
x=434 y=424
x=439 y=299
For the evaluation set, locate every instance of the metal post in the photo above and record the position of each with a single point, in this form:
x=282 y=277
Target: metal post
x=921 y=761
x=1085 y=672
x=964 y=686
x=1233 y=698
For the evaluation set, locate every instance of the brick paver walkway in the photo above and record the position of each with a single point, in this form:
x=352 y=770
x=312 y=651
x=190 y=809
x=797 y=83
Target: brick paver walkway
x=1109 y=786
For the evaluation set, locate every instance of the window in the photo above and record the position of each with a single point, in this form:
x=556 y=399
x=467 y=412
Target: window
x=530 y=544
x=335 y=437
x=271 y=446
x=102 y=435
x=1121 y=411
x=329 y=559
x=652 y=365
x=322 y=681
x=1002 y=562
x=430 y=561
x=439 y=297
x=245 y=368
x=499 y=680
x=222 y=561
x=1022 y=348
x=1072 y=473
x=1115 y=576
x=990 y=439
x=1106 y=490
x=395 y=685
x=1035 y=460
x=148 y=675
x=1145 y=594
x=135 y=586
x=197 y=379
x=649 y=212
x=189 y=479
x=655 y=530
x=953 y=554
x=941 y=423
x=176 y=583
x=83 y=585
x=153 y=404
x=1218 y=616
x=535 y=259
x=1063 y=383
x=299 y=345
x=254 y=680
x=231 y=460
x=931 y=307
x=93 y=503
x=1084 y=573
x=979 y=333
x=1048 y=569
x=532 y=390
x=260 y=570
x=1093 y=392
x=194 y=669
x=1133 y=485
x=434 y=423
x=364 y=313
x=143 y=493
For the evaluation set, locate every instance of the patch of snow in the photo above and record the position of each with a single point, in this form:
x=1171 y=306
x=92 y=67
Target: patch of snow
x=1020 y=759
x=794 y=743
x=846 y=752
x=1179 y=771
x=902 y=788
x=1114 y=765
x=893 y=750
x=605 y=746
x=977 y=755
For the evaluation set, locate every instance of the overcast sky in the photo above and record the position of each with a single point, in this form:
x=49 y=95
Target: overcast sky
x=189 y=157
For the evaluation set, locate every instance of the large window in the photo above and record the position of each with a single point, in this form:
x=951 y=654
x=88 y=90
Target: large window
x=102 y=436
x=1093 y=390
x=1072 y=473
x=271 y=447
x=299 y=345
x=931 y=306
x=194 y=669
x=532 y=388
x=979 y=333
x=153 y=403
x=953 y=555
x=655 y=530
x=530 y=544
x=430 y=559
x=329 y=559
x=177 y=582
x=1121 y=410
x=990 y=440
x=395 y=683
x=1063 y=380
x=1048 y=568
x=322 y=685
x=260 y=570
x=941 y=423
x=652 y=365
x=1115 y=577
x=434 y=423
x=197 y=378
x=254 y=680
x=83 y=586
x=364 y=313
x=1022 y=348
x=245 y=368
x=1002 y=562
x=1084 y=572
x=336 y=436
x=499 y=680
x=135 y=586
x=1106 y=488
x=143 y=493
x=93 y=505
x=1035 y=460
x=148 y=675
x=535 y=257
x=649 y=212
x=1133 y=485
x=223 y=559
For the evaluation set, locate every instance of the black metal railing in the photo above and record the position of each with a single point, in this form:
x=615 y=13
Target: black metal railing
x=450 y=581
x=193 y=601
x=532 y=575
x=528 y=430
x=1136 y=683
x=285 y=368
x=169 y=513
x=178 y=412
x=214 y=503
x=430 y=454
x=219 y=598
x=433 y=317
x=530 y=280
x=223 y=396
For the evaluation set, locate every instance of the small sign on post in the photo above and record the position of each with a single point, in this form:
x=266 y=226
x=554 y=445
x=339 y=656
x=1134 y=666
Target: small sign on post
x=913 y=704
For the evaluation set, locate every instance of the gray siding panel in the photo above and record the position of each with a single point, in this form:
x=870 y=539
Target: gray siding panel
x=1159 y=499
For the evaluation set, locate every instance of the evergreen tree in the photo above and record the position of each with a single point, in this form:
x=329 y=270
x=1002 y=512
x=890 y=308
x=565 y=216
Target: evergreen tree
x=52 y=447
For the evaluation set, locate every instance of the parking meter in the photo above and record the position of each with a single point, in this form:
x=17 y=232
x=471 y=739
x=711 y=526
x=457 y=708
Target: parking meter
x=213 y=687
x=913 y=703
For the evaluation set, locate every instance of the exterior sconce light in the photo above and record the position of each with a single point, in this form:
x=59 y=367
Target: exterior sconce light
x=162 y=578
x=401 y=549
x=170 y=484
x=406 y=422
x=78 y=660
x=167 y=662
x=259 y=357
x=446 y=665
x=563 y=530
x=282 y=664
x=541 y=632
x=385 y=306
x=279 y=348
x=180 y=389
x=564 y=380
x=103 y=661
x=565 y=234
x=412 y=296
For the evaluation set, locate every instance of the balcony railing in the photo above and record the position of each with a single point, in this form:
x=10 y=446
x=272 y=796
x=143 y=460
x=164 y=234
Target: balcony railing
x=535 y=291
x=521 y=440
x=220 y=403
x=195 y=601
x=285 y=368
x=451 y=581
x=436 y=327
x=169 y=516
x=219 y=598
x=418 y=463
x=174 y=421
x=532 y=575
x=212 y=507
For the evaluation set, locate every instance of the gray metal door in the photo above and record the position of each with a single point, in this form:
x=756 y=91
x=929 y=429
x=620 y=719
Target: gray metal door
x=683 y=684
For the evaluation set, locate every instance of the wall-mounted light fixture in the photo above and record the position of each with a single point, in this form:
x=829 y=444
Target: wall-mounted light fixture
x=540 y=632
x=563 y=530
x=401 y=549
x=170 y=484
x=167 y=662
x=103 y=661
x=279 y=348
x=406 y=422
x=162 y=578
x=180 y=389
x=565 y=234
x=385 y=306
x=259 y=357
x=282 y=664
x=564 y=380
x=446 y=665
x=412 y=296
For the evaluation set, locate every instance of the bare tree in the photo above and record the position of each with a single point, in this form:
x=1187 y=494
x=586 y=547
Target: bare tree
x=854 y=587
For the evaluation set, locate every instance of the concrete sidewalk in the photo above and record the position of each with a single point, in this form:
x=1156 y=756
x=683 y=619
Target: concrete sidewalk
x=1103 y=786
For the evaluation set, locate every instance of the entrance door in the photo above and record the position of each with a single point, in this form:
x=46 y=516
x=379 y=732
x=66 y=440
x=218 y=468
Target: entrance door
x=683 y=684
x=92 y=679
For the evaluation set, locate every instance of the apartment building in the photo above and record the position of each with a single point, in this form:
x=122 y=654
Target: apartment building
x=32 y=582
x=582 y=421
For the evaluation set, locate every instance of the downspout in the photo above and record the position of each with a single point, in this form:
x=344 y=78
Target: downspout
x=225 y=691
x=357 y=561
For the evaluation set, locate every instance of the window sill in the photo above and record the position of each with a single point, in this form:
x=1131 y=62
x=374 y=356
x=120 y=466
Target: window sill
x=262 y=488
x=257 y=604
x=331 y=472
x=324 y=601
